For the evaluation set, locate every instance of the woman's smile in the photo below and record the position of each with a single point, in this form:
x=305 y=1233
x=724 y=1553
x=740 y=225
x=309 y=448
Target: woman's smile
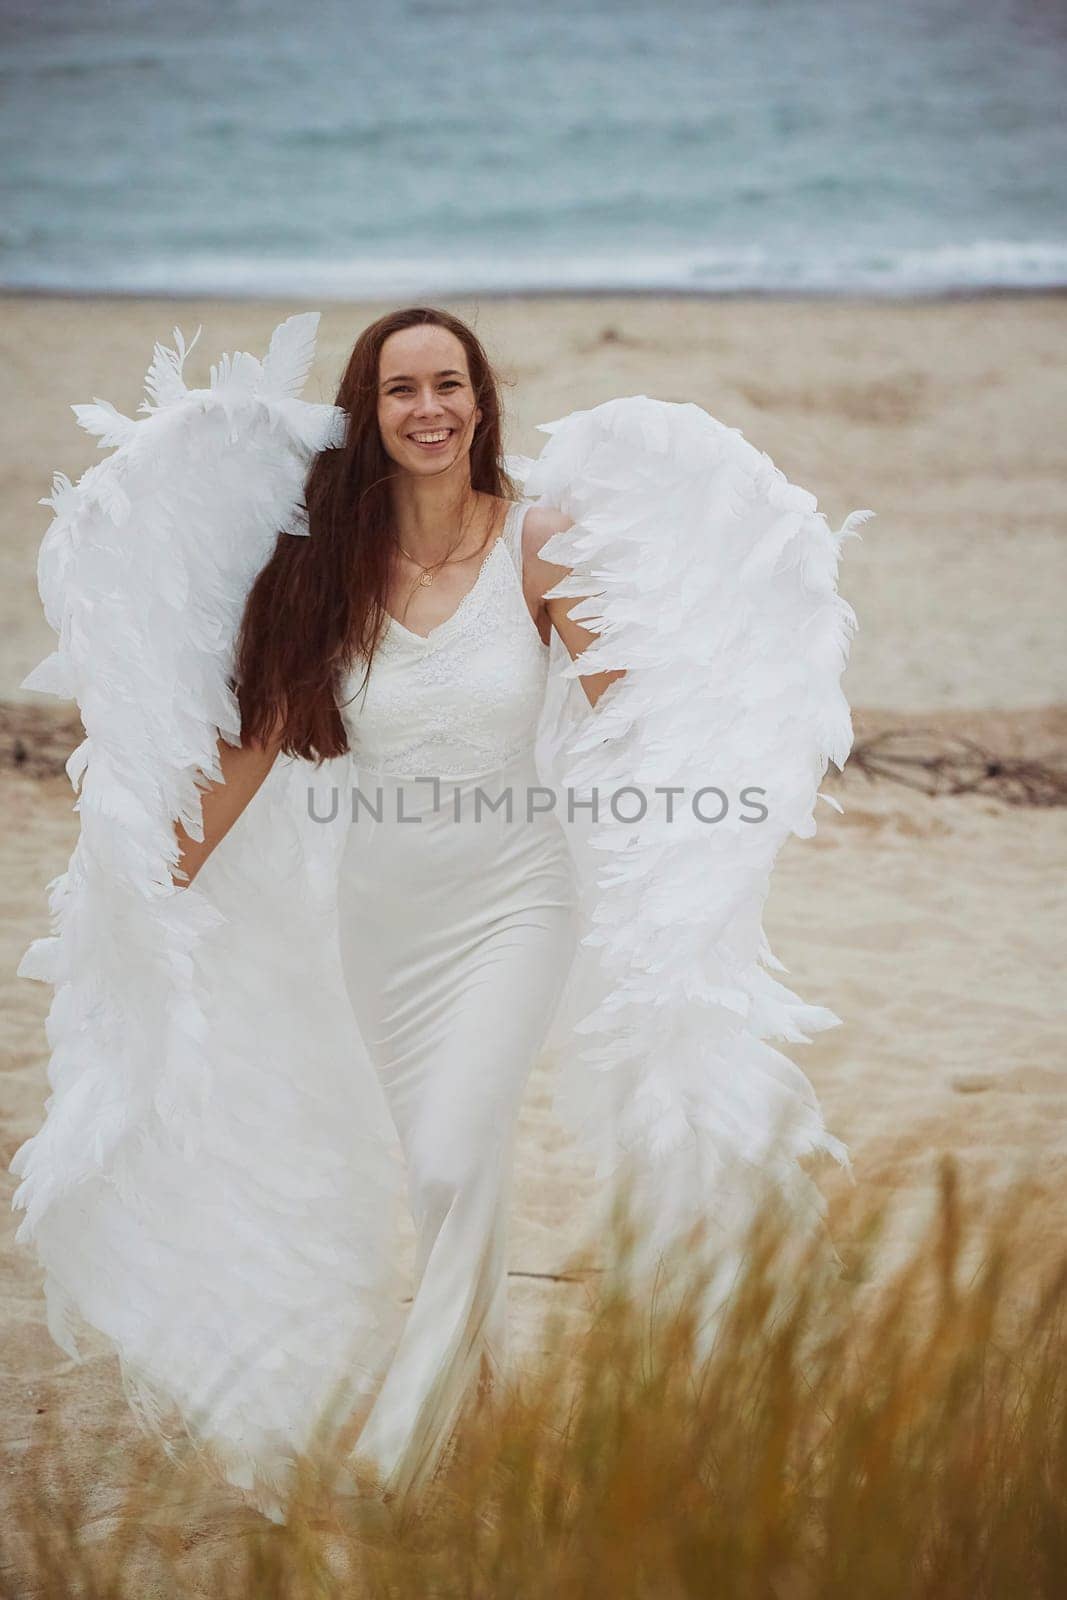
x=431 y=438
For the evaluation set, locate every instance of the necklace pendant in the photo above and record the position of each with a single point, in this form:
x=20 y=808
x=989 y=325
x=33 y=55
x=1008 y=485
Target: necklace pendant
x=426 y=578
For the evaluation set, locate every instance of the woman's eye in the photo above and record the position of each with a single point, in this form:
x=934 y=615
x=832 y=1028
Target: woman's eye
x=450 y=383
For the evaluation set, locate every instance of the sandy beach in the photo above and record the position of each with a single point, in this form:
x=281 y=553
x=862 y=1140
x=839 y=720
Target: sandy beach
x=933 y=926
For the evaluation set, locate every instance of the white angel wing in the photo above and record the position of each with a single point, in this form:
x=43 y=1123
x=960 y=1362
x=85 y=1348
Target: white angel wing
x=216 y=1185
x=711 y=579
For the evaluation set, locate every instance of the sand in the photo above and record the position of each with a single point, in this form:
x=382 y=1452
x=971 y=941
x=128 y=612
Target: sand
x=933 y=926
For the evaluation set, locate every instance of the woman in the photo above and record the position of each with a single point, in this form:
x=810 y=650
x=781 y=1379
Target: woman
x=457 y=930
x=214 y=1184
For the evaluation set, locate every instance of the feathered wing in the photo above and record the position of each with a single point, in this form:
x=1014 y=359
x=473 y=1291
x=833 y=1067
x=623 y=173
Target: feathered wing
x=216 y=1185
x=712 y=580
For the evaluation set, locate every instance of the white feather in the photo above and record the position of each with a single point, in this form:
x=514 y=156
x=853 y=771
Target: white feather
x=216 y=1174
x=713 y=585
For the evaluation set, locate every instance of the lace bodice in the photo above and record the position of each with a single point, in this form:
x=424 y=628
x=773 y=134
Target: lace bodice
x=464 y=700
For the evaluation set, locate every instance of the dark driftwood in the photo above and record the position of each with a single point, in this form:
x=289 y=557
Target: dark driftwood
x=936 y=764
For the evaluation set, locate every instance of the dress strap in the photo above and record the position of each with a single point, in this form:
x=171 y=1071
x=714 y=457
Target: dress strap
x=511 y=533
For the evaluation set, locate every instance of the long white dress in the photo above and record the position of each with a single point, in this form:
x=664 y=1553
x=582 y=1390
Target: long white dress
x=458 y=922
x=246 y=1074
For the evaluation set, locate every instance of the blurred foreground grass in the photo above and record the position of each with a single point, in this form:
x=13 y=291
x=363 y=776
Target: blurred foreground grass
x=895 y=1431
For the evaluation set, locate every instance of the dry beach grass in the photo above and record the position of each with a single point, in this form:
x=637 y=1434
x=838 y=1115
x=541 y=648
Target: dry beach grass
x=885 y=1433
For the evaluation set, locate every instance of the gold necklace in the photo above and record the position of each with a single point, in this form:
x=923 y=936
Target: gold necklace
x=427 y=574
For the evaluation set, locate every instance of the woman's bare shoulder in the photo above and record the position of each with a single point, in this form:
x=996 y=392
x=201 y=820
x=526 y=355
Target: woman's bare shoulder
x=540 y=523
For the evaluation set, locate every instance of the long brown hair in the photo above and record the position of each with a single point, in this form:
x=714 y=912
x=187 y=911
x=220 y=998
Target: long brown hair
x=320 y=601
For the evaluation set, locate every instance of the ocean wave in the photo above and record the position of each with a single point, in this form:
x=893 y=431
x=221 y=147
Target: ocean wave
x=984 y=264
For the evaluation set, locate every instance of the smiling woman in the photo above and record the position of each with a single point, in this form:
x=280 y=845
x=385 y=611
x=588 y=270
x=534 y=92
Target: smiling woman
x=260 y=1012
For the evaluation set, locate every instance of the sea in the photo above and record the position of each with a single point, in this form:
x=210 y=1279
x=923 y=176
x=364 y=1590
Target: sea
x=420 y=147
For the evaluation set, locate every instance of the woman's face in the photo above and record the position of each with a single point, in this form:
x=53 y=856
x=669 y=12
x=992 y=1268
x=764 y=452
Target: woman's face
x=426 y=406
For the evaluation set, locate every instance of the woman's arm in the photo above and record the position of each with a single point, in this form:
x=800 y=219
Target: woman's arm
x=244 y=769
x=540 y=575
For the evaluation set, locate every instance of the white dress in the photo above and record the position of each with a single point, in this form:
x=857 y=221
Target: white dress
x=458 y=926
